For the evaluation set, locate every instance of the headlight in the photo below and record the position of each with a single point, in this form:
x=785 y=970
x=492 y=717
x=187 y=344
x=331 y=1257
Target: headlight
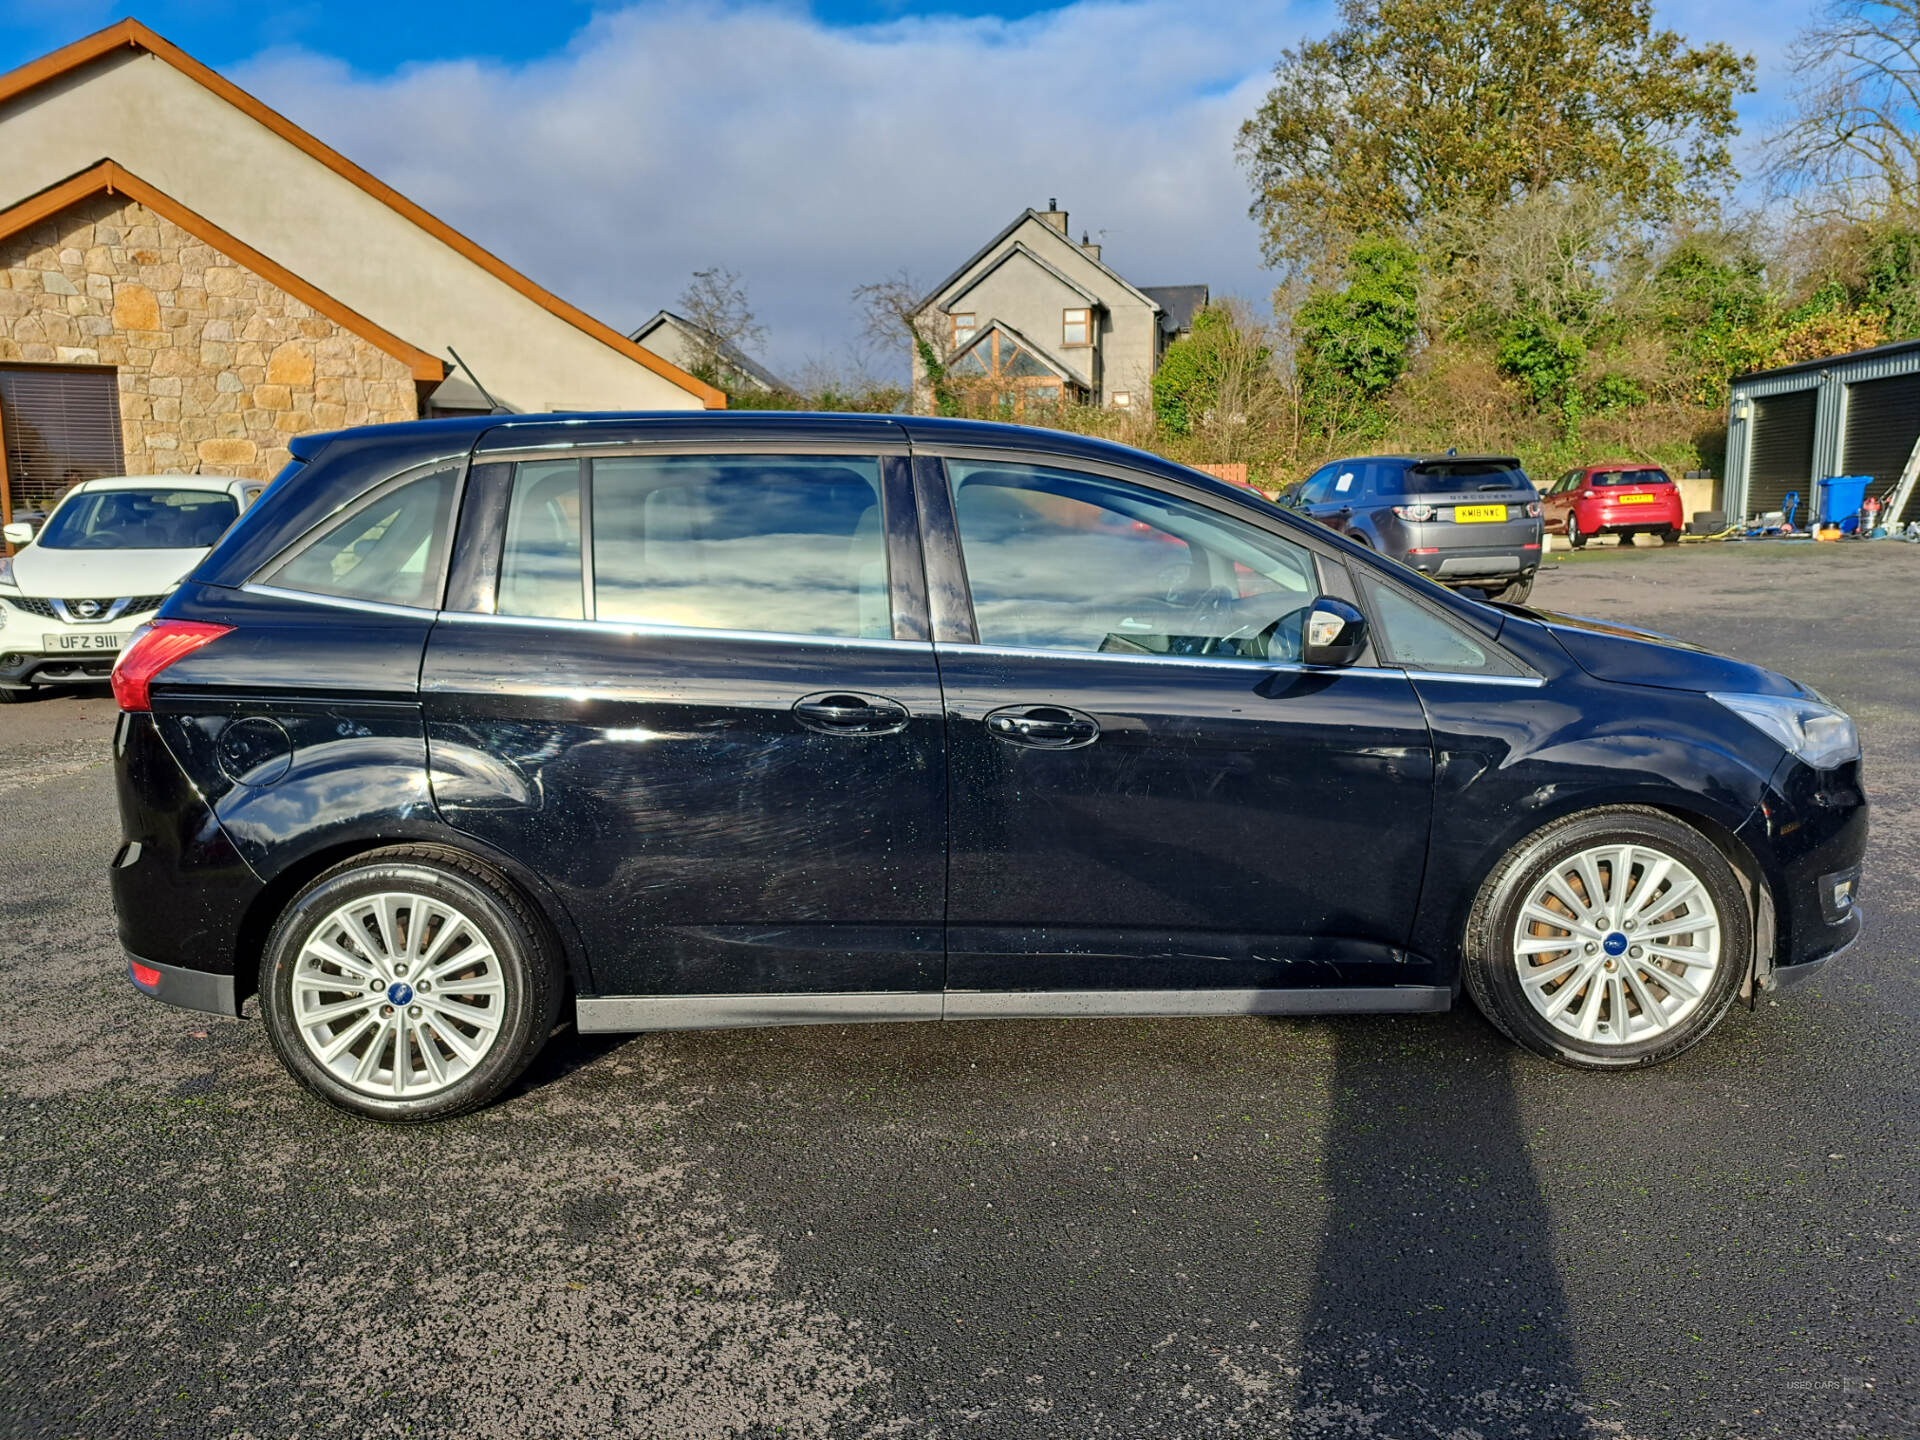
x=6 y=571
x=1812 y=729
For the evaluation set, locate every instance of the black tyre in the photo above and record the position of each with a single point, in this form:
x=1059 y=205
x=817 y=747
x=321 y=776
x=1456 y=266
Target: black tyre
x=1514 y=592
x=409 y=984
x=1611 y=939
x=1574 y=537
x=1670 y=535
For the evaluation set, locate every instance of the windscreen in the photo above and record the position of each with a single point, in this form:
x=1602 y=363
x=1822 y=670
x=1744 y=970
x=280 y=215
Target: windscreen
x=1630 y=477
x=140 y=520
x=1449 y=477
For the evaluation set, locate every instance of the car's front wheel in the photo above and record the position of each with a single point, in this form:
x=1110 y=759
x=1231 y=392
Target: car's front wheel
x=1610 y=939
x=1575 y=540
x=408 y=984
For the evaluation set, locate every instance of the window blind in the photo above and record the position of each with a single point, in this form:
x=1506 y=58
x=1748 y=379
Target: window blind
x=61 y=426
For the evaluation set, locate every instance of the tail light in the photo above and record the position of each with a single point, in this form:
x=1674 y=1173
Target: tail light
x=1415 y=512
x=1533 y=510
x=153 y=648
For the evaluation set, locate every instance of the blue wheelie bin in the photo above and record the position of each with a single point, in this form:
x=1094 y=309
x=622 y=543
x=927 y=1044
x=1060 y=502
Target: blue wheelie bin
x=1840 y=500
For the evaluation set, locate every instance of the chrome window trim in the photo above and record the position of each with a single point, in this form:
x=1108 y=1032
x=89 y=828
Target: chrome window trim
x=1527 y=682
x=613 y=1013
x=341 y=602
x=677 y=632
x=1018 y=652
x=313 y=532
x=758 y=445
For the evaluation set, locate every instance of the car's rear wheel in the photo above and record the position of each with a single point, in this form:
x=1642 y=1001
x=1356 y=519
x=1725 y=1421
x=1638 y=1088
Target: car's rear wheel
x=409 y=984
x=1574 y=537
x=1670 y=535
x=1611 y=939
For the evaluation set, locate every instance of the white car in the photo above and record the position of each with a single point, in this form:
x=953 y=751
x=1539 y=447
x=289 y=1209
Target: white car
x=106 y=558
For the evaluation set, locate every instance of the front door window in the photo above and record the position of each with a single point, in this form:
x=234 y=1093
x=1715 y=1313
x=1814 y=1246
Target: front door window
x=1061 y=560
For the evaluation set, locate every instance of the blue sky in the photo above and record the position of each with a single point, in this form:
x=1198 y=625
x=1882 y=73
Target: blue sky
x=610 y=149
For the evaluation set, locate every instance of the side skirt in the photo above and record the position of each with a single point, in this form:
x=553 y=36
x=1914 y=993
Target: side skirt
x=605 y=1013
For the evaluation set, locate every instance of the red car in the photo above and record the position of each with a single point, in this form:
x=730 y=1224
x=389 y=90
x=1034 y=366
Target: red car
x=1616 y=498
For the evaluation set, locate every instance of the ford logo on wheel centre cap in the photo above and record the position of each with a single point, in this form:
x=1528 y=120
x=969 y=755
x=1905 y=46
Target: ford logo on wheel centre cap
x=399 y=992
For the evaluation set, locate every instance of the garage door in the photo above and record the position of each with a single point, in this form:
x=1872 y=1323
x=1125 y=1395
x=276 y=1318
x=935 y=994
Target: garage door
x=1883 y=421
x=1781 y=455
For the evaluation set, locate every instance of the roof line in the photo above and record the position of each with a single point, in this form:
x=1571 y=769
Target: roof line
x=110 y=178
x=1020 y=247
x=131 y=34
x=1018 y=220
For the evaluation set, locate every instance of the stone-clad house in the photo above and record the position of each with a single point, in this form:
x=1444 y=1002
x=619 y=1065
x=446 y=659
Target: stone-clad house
x=1034 y=317
x=187 y=279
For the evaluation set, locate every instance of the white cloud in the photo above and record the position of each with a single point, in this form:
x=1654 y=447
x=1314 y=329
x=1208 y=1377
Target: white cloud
x=811 y=158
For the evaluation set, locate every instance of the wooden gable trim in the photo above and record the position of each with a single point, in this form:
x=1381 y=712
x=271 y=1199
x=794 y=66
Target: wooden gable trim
x=131 y=34
x=108 y=178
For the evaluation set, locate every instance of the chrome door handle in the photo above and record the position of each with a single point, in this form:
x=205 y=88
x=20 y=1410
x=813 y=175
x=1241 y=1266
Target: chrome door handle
x=1043 y=727
x=841 y=712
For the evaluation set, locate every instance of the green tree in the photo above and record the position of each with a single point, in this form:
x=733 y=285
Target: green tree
x=1220 y=362
x=1355 y=341
x=1713 y=302
x=1418 y=108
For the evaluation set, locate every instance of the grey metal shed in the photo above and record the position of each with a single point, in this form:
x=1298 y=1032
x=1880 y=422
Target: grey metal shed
x=1787 y=429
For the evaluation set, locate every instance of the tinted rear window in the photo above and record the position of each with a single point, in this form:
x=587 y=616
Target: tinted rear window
x=1452 y=476
x=1630 y=477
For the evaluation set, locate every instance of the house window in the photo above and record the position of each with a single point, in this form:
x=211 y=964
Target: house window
x=1077 y=328
x=61 y=425
x=964 y=328
x=1122 y=399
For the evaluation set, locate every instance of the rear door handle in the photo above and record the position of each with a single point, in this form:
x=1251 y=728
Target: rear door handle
x=1043 y=727
x=843 y=712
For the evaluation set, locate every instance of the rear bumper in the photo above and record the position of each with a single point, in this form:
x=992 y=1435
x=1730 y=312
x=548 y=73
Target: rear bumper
x=189 y=989
x=1479 y=562
x=1631 y=517
x=181 y=891
x=1451 y=551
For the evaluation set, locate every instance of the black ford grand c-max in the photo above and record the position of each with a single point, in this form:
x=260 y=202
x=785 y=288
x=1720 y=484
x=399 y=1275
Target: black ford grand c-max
x=684 y=721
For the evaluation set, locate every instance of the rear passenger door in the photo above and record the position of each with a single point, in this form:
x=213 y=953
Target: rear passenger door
x=694 y=692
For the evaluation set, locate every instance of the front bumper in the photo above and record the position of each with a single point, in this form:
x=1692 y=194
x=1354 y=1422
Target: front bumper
x=27 y=660
x=1811 y=830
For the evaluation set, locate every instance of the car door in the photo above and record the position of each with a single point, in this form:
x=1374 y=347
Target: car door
x=1559 y=500
x=1148 y=792
x=692 y=690
x=1341 y=494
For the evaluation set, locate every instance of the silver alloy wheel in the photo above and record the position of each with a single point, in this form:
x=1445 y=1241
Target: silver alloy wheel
x=398 y=995
x=1617 y=944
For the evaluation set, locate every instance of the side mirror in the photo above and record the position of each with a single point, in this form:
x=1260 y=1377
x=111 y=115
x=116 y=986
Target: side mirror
x=19 y=532
x=1336 y=633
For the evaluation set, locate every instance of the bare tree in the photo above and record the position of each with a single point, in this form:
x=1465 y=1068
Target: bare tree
x=892 y=314
x=716 y=302
x=1852 y=148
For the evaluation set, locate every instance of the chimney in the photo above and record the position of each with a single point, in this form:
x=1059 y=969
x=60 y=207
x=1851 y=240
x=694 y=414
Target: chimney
x=1055 y=216
x=1088 y=246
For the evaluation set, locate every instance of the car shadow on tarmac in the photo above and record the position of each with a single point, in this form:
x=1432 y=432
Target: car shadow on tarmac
x=1436 y=1297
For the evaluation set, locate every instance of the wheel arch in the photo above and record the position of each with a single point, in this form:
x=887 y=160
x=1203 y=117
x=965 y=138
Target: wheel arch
x=256 y=924
x=1718 y=828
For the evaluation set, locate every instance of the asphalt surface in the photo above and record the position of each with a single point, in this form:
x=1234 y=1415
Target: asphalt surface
x=1355 y=1227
